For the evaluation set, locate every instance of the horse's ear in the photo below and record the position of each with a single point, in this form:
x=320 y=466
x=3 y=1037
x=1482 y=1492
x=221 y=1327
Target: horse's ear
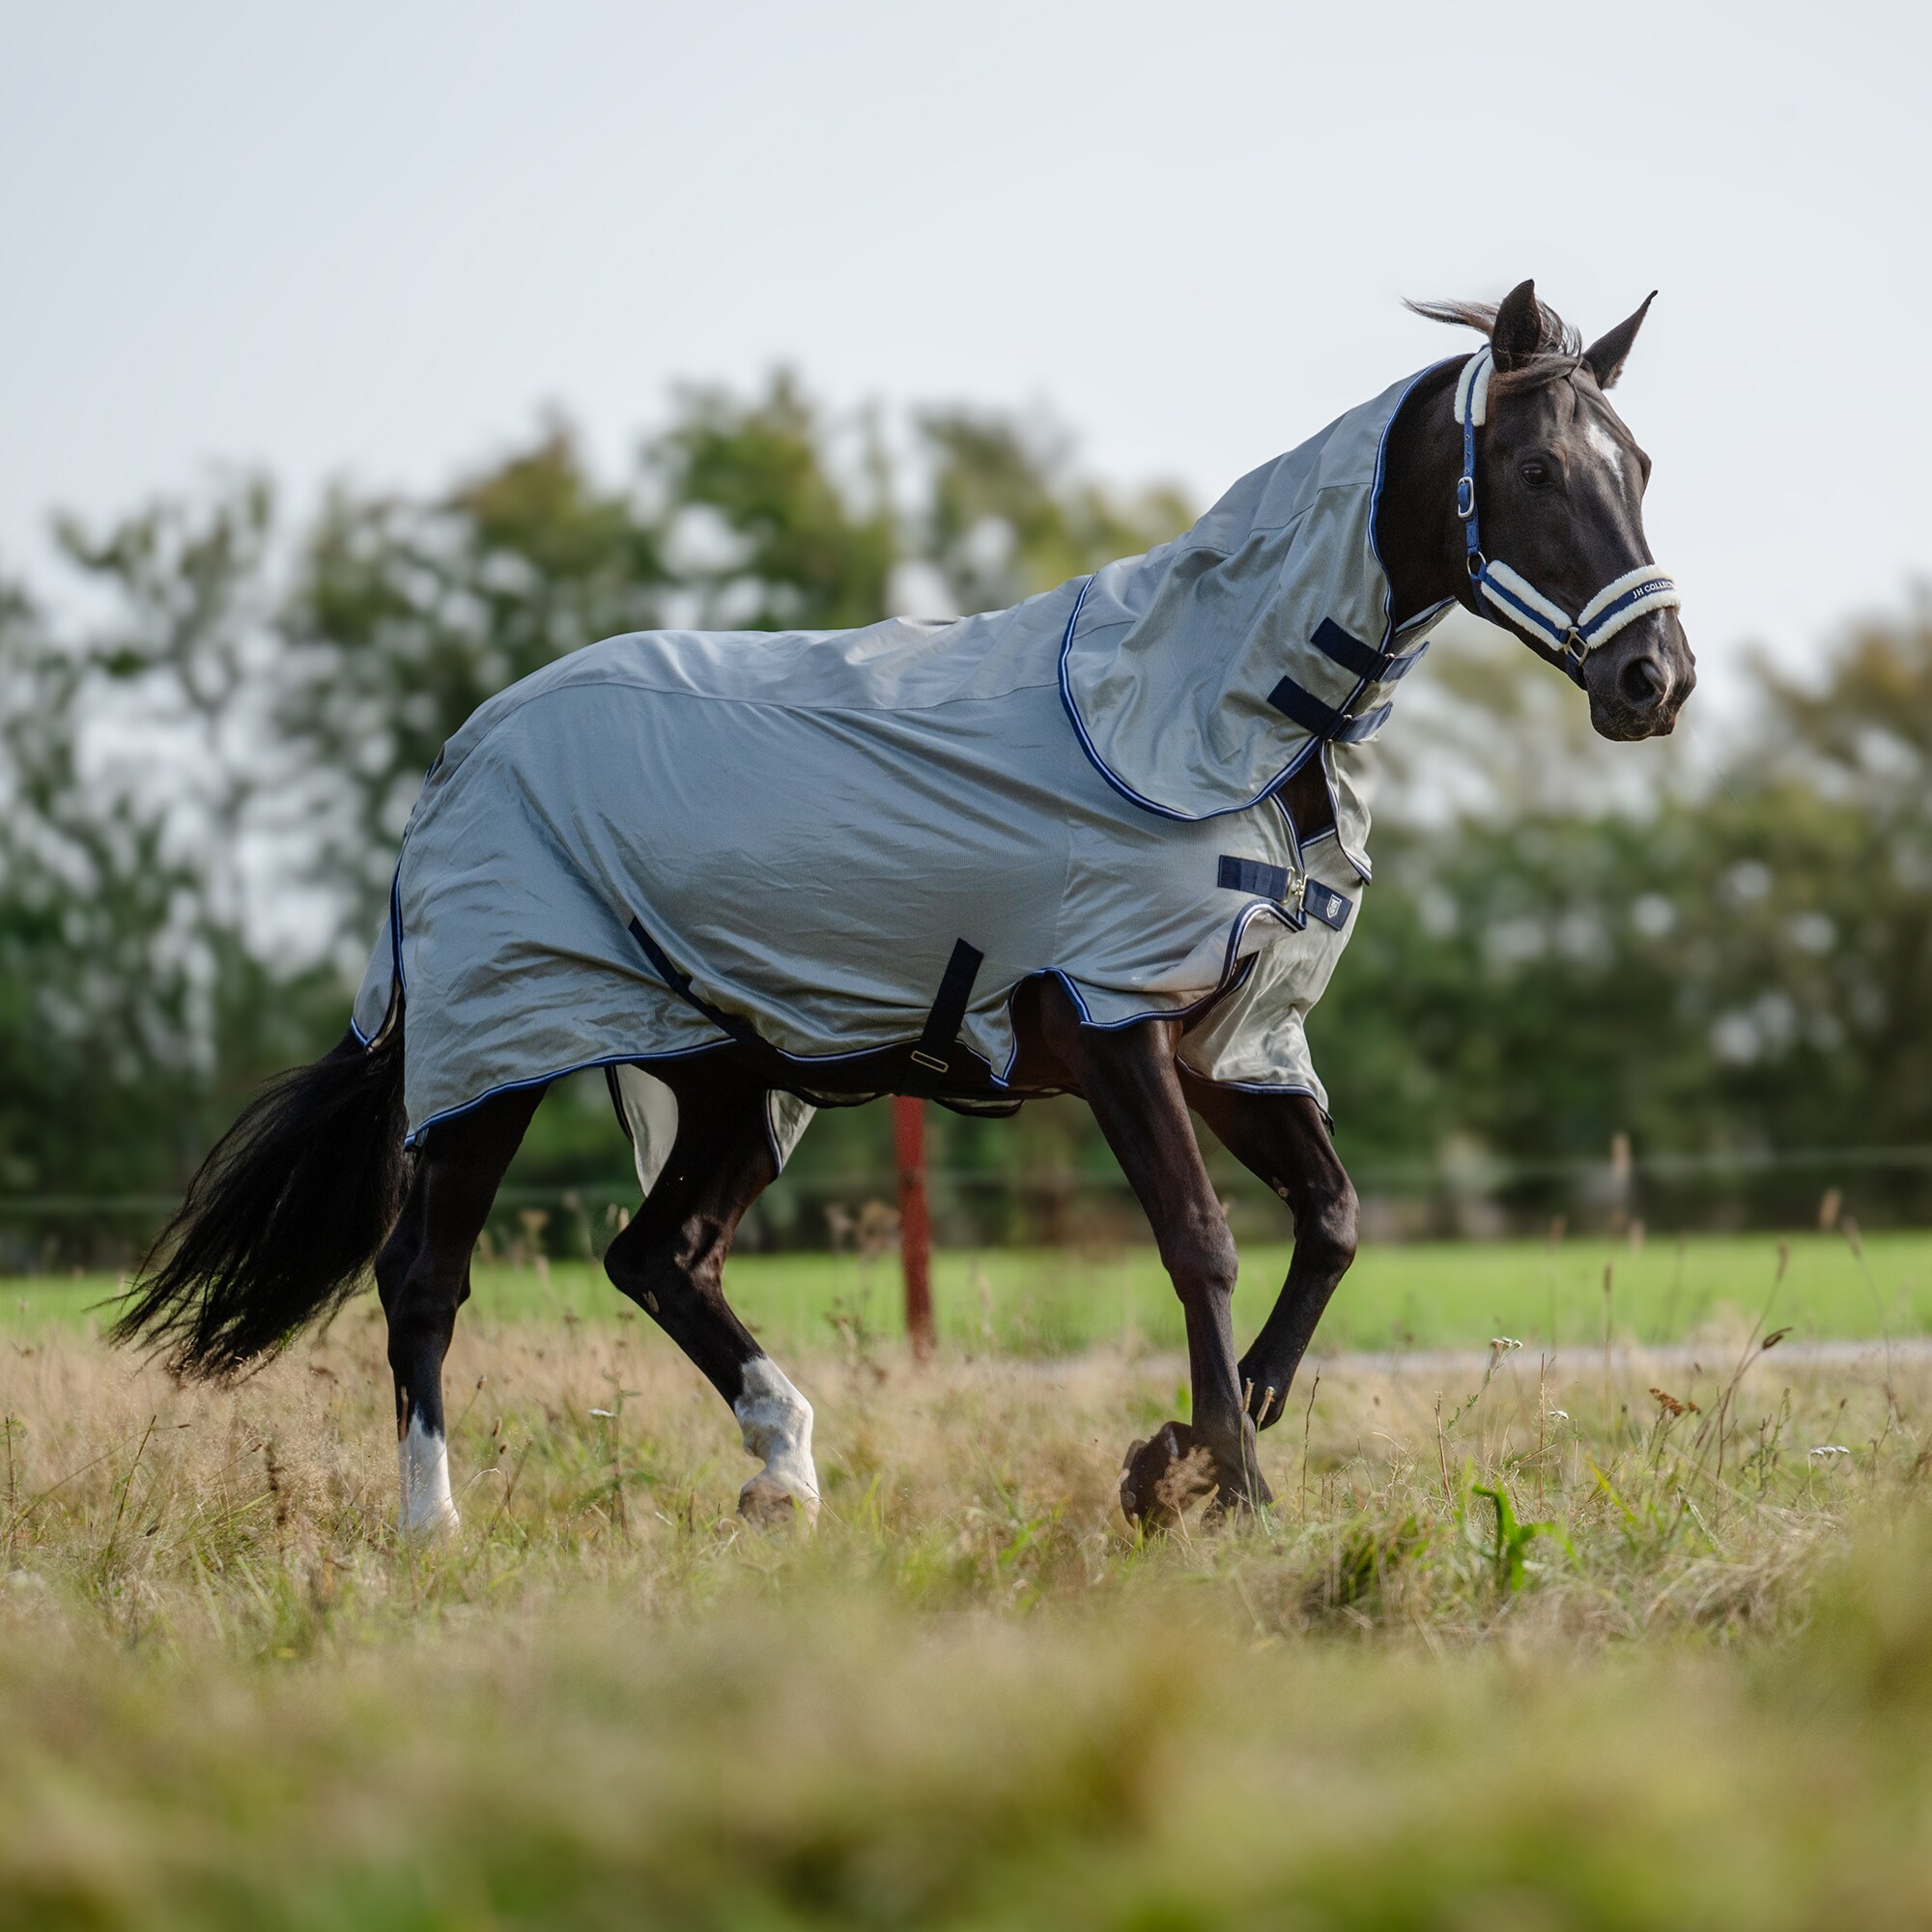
x=1606 y=354
x=1518 y=334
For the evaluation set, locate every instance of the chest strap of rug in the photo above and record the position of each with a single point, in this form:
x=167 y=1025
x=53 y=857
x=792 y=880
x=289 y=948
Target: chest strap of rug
x=1319 y=719
x=948 y=1006
x=1364 y=661
x=1261 y=880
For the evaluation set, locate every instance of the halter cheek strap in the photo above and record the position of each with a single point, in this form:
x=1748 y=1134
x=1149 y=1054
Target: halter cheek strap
x=1620 y=602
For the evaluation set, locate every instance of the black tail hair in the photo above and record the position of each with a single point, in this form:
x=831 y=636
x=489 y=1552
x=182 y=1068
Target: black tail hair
x=286 y=1212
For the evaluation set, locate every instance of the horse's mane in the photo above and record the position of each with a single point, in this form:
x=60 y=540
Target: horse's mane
x=1559 y=348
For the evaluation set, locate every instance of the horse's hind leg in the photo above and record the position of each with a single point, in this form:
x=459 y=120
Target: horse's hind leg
x=671 y=1261
x=423 y=1277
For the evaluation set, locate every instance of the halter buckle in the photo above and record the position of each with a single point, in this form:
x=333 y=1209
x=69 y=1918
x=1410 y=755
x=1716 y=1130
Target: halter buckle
x=1465 y=498
x=1574 y=647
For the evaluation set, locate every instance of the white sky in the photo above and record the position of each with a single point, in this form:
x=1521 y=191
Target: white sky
x=377 y=240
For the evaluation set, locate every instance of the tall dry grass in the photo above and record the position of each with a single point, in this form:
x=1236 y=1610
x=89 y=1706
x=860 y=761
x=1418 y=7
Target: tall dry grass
x=229 y=1694
x=595 y=1455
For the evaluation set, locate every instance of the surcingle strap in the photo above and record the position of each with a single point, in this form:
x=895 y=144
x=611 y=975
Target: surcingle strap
x=1320 y=719
x=948 y=1006
x=1372 y=666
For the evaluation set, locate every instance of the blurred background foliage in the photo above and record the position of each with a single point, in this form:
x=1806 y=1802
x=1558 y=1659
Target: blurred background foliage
x=1718 y=950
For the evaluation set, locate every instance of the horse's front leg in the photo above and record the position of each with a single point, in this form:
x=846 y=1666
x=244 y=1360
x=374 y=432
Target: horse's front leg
x=1283 y=1138
x=1130 y=1081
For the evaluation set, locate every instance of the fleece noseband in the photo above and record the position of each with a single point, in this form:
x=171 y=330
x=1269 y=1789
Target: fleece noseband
x=1621 y=601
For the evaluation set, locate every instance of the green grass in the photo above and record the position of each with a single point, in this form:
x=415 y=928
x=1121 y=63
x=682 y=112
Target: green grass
x=1429 y=1295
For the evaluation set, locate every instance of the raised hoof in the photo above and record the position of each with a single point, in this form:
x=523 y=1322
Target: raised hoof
x=770 y=1505
x=1164 y=1477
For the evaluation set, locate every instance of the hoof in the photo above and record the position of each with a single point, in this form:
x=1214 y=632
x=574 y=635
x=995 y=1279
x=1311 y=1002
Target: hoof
x=1164 y=1477
x=768 y=1504
x=1237 y=1505
x=433 y=1525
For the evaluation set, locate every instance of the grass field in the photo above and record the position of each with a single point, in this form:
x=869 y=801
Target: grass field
x=230 y=1696
x=1430 y=1295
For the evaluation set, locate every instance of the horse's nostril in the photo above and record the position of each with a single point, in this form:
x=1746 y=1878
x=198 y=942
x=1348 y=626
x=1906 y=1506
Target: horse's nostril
x=1643 y=682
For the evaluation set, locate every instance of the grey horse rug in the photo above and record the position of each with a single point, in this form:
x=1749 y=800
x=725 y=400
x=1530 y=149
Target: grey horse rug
x=842 y=841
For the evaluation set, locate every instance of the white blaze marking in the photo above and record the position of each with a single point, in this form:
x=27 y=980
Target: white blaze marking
x=422 y=1462
x=1605 y=445
x=775 y=1421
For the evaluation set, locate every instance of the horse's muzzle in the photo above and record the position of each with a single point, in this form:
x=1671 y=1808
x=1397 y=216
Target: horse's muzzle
x=1639 y=681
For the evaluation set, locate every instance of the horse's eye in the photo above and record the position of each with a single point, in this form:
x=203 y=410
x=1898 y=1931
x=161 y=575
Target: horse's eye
x=1536 y=475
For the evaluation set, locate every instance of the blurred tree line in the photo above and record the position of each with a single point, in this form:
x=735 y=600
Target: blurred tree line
x=202 y=785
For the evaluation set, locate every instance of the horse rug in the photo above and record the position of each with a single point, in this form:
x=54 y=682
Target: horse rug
x=835 y=842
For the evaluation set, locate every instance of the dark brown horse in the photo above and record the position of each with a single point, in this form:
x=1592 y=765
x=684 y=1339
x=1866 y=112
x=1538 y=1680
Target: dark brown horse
x=312 y=1181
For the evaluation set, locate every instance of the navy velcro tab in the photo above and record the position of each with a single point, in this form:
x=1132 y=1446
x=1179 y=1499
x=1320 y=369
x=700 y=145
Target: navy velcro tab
x=1296 y=702
x=1351 y=653
x=1253 y=875
x=1326 y=903
x=1372 y=666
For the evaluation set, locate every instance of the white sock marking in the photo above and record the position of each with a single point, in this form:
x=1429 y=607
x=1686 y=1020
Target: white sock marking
x=775 y=1421
x=422 y=1464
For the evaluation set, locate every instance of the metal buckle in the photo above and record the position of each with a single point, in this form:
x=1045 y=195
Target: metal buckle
x=1465 y=498
x=1575 y=647
x=920 y=1059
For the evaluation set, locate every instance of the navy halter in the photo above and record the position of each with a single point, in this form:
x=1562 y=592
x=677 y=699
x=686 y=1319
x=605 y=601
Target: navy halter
x=1620 y=602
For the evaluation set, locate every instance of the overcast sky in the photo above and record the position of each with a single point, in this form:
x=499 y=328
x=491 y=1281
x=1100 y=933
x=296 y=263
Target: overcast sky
x=377 y=241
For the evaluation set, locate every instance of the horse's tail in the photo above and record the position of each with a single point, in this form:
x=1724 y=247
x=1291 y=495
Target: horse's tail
x=286 y=1212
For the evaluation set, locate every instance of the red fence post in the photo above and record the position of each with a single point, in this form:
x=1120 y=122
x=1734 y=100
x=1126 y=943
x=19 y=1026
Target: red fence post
x=915 y=1224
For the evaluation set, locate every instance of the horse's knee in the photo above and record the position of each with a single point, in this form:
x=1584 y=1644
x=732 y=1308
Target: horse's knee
x=1329 y=1228
x=1199 y=1253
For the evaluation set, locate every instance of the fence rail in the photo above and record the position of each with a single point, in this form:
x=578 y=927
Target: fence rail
x=1371 y=1176
x=1473 y=1195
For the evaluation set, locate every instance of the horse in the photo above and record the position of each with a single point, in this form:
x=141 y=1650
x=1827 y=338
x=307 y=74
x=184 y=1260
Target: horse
x=1142 y=726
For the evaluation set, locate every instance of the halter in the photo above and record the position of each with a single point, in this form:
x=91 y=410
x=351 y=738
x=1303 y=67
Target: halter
x=1620 y=602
